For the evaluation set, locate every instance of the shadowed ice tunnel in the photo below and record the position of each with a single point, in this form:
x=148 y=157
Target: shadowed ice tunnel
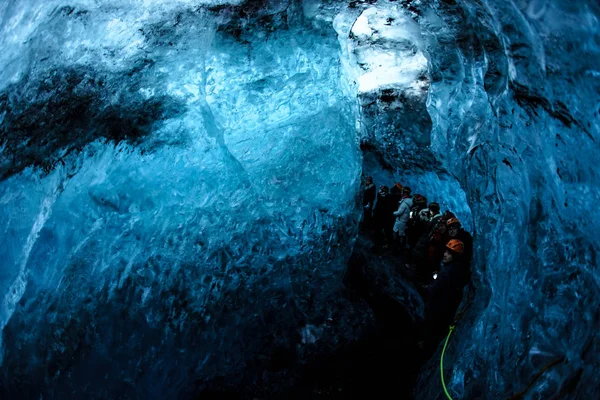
x=180 y=190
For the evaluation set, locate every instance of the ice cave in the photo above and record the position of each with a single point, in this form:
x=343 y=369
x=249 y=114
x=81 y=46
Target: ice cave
x=182 y=182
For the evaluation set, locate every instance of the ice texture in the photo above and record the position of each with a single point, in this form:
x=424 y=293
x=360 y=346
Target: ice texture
x=514 y=102
x=179 y=197
x=180 y=186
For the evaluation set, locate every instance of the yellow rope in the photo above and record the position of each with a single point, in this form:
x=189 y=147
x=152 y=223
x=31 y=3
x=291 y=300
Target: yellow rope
x=517 y=396
x=458 y=317
x=442 y=363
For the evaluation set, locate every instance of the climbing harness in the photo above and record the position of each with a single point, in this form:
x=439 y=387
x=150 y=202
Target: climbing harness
x=442 y=363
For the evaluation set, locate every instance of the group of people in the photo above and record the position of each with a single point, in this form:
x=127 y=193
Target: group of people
x=435 y=244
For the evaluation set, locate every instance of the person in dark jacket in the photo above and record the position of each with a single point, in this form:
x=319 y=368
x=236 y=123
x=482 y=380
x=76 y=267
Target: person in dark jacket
x=369 y=193
x=437 y=244
x=396 y=193
x=444 y=295
x=434 y=216
x=414 y=227
x=383 y=217
x=429 y=217
x=455 y=231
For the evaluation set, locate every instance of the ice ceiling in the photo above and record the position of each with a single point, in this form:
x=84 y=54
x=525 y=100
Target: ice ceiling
x=180 y=185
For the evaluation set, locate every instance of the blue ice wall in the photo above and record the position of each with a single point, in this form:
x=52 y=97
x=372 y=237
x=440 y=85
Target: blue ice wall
x=514 y=104
x=180 y=197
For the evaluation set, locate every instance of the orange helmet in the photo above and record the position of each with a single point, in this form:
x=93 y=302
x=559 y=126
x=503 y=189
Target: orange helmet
x=456 y=246
x=452 y=221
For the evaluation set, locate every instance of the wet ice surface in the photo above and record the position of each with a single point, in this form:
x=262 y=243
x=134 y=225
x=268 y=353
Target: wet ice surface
x=180 y=184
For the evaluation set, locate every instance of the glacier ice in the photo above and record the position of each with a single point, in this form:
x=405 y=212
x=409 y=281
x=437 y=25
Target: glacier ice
x=183 y=204
x=515 y=119
x=180 y=186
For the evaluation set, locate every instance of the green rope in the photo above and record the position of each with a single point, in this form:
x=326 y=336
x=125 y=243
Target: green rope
x=442 y=363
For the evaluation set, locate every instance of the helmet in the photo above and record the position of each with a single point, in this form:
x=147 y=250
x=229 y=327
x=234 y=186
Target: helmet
x=384 y=188
x=434 y=206
x=398 y=185
x=406 y=190
x=456 y=246
x=453 y=221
